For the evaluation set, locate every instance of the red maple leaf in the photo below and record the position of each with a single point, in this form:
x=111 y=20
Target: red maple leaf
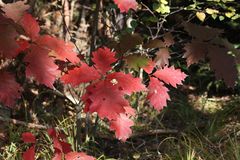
x=125 y=82
x=125 y=5
x=130 y=111
x=52 y=132
x=66 y=147
x=29 y=154
x=103 y=58
x=41 y=66
x=57 y=145
x=30 y=26
x=149 y=67
x=23 y=45
x=9 y=89
x=60 y=146
x=82 y=74
x=28 y=137
x=121 y=125
x=158 y=94
x=58 y=48
x=57 y=156
x=170 y=76
x=104 y=100
x=78 y=156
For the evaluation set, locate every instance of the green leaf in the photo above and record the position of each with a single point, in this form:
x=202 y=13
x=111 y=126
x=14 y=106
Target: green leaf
x=236 y=16
x=214 y=16
x=161 y=8
x=221 y=18
x=164 y=1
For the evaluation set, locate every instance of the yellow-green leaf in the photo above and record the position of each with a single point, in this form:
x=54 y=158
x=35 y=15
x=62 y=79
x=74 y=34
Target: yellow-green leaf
x=201 y=16
x=211 y=11
x=137 y=61
x=229 y=14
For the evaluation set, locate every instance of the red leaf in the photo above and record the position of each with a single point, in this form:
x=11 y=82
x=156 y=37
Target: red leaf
x=8 y=44
x=57 y=145
x=57 y=156
x=104 y=100
x=130 y=111
x=9 y=89
x=78 y=156
x=82 y=74
x=59 y=49
x=66 y=147
x=23 y=45
x=150 y=66
x=15 y=10
x=103 y=58
x=62 y=136
x=170 y=75
x=158 y=94
x=28 y=137
x=125 y=5
x=29 y=154
x=121 y=126
x=52 y=133
x=125 y=82
x=41 y=66
x=30 y=26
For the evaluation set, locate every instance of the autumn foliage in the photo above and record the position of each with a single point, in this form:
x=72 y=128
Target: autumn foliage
x=106 y=88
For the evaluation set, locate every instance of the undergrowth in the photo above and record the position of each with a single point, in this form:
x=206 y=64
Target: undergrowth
x=206 y=128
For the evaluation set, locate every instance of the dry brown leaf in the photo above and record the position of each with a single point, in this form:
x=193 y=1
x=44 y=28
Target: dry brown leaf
x=195 y=51
x=223 y=64
x=155 y=43
x=162 y=57
x=129 y=41
x=202 y=33
x=8 y=45
x=168 y=39
x=15 y=10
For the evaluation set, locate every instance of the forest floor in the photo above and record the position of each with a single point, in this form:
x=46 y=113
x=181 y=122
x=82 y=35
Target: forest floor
x=192 y=127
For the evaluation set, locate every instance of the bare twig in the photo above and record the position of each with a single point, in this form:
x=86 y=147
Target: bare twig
x=66 y=19
x=18 y=122
x=95 y=27
x=155 y=132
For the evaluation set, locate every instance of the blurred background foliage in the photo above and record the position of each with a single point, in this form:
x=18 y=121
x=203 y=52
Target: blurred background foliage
x=204 y=112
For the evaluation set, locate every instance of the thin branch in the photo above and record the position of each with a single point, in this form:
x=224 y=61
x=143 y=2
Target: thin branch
x=66 y=19
x=95 y=27
x=155 y=132
x=18 y=122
